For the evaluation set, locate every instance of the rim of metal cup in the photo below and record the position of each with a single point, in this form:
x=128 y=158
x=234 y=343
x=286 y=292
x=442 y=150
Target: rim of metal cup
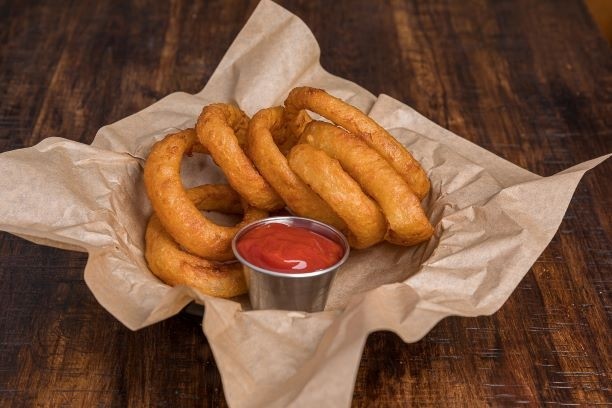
x=291 y=220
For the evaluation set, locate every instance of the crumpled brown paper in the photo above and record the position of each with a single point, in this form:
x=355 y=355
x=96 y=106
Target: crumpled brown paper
x=492 y=220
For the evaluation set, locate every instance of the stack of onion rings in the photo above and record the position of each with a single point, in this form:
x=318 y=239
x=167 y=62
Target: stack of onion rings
x=177 y=213
x=279 y=158
x=359 y=124
x=217 y=129
x=175 y=266
x=182 y=245
x=265 y=128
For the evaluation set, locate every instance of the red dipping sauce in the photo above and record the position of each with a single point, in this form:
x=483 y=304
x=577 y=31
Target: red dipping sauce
x=288 y=249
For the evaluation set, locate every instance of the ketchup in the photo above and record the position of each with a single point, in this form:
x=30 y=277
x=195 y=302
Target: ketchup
x=283 y=248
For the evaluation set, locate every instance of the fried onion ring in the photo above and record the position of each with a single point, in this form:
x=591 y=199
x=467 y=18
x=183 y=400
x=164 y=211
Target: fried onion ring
x=174 y=266
x=358 y=123
x=176 y=212
x=265 y=128
x=366 y=223
x=217 y=128
x=408 y=224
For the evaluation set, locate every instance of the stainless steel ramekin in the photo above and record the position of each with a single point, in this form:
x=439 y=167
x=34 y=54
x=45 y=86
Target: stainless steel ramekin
x=291 y=291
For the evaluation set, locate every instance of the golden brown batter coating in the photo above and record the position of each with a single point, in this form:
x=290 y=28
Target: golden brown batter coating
x=359 y=124
x=216 y=128
x=408 y=224
x=264 y=129
x=176 y=212
x=177 y=267
x=366 y=223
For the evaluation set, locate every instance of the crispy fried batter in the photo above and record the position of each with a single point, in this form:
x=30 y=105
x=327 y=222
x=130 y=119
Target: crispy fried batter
x=176 y=212
x=408 y=224
x=216 y=128
x=359 y=124
x=174 y=266
x=264 y=129
x=365 y=221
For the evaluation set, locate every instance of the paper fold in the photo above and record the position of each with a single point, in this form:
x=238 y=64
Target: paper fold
x=492 y=220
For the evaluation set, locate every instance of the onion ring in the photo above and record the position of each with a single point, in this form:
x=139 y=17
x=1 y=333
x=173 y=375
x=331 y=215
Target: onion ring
x=265 y=128
x=366 y=223
x=408 y=224
x=174 y=266
x=176 y=212
x=358 y=123
x=217 y=127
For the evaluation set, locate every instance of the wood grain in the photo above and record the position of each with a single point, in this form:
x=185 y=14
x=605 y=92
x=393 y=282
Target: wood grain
x=530 y=81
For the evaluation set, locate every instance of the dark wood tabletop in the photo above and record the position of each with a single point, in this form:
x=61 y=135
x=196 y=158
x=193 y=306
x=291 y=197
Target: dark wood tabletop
x=530 y=81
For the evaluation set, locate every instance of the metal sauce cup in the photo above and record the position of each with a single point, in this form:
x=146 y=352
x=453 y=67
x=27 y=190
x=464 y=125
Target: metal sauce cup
x=291 y=291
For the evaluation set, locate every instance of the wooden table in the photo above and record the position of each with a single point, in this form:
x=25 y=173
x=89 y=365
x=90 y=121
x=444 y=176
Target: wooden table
x=530 y=81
